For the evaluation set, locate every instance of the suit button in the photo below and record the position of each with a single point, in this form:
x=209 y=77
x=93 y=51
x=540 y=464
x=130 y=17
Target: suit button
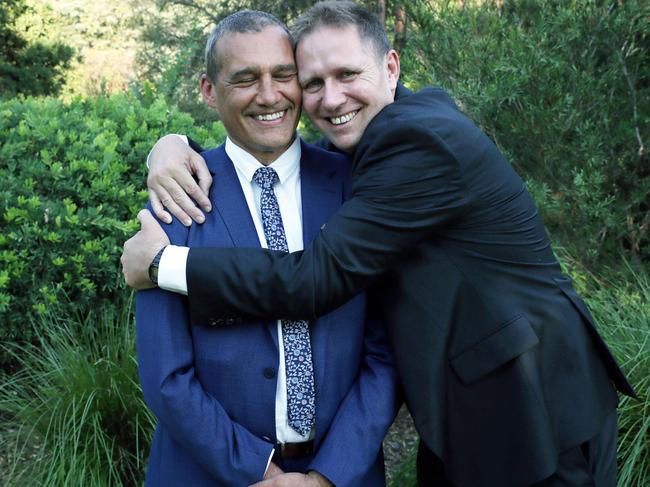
x=269 y=372
x=217 y=322
x=230 y=321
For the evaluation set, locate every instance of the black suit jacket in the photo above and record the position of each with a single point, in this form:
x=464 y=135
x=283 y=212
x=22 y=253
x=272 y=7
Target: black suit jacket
x=501 y=364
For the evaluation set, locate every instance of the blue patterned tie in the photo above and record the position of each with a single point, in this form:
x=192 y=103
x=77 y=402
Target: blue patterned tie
x=297 y=348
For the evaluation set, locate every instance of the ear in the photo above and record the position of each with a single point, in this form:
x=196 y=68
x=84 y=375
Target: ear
x=208 y=91
x=392 y=69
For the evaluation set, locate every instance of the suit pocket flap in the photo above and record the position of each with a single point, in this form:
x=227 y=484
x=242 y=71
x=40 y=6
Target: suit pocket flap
x=510 y=341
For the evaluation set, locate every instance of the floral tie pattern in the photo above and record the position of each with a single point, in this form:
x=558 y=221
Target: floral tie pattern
x=297 y=347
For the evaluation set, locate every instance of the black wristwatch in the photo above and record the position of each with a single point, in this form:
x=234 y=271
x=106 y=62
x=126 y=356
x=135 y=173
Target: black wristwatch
x=153 y=267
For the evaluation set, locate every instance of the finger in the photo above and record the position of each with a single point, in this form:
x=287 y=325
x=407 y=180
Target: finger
x=168 y=202
x=158 y=208
x=205 y=181
x=145 y=218
x=178 y=190
x=151 y=229
x=195 y=196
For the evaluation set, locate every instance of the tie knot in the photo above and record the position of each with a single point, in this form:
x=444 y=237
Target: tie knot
x=266 y=177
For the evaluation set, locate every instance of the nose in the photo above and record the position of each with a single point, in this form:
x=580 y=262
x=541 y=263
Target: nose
x=268 y=94
x=333 y=96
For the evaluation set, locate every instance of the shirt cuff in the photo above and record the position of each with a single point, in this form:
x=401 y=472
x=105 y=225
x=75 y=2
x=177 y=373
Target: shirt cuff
x=171 y=270
x=269 y=461
x=183 y=138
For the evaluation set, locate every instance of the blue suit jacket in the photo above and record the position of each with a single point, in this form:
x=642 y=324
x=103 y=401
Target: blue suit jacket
x=213 y=388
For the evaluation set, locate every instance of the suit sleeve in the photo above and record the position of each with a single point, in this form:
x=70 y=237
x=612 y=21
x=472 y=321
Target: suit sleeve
x=406 y=186
x=196 y=420
x=355 y=436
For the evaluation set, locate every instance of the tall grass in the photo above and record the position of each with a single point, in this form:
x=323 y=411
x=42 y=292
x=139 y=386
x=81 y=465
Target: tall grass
x=78 y=396
x=620 y=303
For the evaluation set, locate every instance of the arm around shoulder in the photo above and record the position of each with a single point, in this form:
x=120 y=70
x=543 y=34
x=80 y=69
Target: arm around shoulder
x=404 y=190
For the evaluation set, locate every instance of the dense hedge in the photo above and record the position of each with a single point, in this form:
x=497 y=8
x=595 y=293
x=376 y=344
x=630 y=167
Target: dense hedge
x=564 y=89
x=72 y=179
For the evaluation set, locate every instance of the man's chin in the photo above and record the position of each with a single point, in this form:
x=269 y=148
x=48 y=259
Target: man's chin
x=344 y=143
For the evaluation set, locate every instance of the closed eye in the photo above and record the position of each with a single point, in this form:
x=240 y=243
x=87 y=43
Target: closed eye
x=284 y=76
x=243 y=81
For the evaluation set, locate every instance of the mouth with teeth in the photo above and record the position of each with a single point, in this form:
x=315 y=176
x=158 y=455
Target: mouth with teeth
x=343 y=119
x=270 y=117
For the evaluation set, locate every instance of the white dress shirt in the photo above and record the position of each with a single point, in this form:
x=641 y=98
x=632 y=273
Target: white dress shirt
x=172 y=267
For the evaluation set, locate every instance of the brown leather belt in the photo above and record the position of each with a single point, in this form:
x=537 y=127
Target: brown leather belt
x=294 y=450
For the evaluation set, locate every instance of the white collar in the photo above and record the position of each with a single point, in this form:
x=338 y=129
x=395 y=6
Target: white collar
x=285 y=165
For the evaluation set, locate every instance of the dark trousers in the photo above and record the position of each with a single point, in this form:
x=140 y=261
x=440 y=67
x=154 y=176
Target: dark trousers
x=592 y=463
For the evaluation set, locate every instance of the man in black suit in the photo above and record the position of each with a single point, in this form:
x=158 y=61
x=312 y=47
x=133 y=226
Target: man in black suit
x=507 y=380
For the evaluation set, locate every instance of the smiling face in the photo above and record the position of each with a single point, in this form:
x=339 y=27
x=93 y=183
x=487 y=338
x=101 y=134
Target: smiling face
x=345 y=82
x=256 y=92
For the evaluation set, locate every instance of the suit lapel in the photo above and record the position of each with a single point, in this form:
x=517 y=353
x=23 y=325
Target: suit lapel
x=229 y=201
x=321 y=195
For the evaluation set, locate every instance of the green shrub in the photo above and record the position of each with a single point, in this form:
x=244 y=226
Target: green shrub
x=77 y=395
x=72 y=178
x=563 y=88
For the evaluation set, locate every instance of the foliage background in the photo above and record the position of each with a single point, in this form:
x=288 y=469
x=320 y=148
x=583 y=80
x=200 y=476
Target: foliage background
x=563 y=88
x=102 y=33
x=35 y=67
x=72 y=180
x=86 y=88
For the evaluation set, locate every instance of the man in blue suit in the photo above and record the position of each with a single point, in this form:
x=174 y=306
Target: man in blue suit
x=223 y=395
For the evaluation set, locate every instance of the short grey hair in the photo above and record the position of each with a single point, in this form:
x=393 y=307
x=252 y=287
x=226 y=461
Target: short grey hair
x=339 y=15
x=244 y=21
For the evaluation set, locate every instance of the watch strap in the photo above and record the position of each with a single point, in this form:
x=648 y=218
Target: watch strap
x=155 y=263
